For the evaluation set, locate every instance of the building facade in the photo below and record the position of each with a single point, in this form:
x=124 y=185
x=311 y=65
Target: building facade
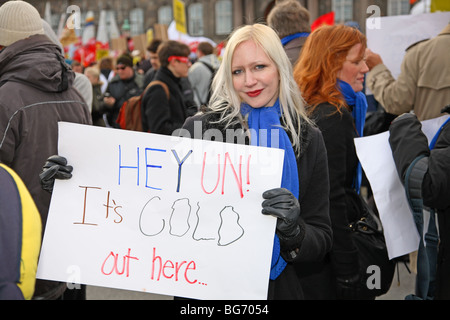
x=214 y=19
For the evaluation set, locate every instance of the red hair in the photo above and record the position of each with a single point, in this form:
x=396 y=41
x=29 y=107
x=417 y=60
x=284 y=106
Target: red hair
x=322 y=56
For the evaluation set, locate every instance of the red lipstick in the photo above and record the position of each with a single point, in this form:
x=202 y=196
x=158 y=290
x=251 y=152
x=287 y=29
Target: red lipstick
x=255 y=93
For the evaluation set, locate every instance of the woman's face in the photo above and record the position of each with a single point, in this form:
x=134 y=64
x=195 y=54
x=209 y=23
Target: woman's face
x=354 y=68
x=255 y=76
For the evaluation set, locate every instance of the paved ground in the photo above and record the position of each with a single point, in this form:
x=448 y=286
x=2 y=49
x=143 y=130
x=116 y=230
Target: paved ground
x=398 y=291
x=402 y=284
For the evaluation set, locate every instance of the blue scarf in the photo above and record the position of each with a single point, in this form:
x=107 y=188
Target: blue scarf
x=359 y=102
x=267 y=119
x=291 y=37
x=433 y=141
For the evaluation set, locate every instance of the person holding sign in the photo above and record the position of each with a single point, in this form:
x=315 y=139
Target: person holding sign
x=330 y=74
x=255 y=96
x=415 y=157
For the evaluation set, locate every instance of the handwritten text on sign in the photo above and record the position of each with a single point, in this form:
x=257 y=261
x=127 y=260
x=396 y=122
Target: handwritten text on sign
x=162 y=214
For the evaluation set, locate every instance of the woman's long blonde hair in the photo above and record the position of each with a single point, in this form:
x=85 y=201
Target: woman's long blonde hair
x=224 y=98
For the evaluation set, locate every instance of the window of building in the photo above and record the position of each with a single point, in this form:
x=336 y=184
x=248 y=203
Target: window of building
x=195 y=18
x=224 y=17
x=55 y=21
x=398 y=7
x=165 y=15
x=136 y=22
x=343 y=10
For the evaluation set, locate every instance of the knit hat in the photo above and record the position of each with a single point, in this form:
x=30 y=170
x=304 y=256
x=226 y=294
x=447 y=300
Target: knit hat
x=125 y=60
x=18 y=20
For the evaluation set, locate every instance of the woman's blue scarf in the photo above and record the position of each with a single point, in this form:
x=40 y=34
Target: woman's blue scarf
x=265 y=122
x=359 y=102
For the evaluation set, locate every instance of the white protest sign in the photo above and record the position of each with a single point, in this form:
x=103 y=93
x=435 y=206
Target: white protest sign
x=375 y=155
x=161 y=214
x=394 y=34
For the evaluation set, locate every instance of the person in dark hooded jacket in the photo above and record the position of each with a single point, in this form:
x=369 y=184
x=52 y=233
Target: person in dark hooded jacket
x=408 y=143
x=36 y=92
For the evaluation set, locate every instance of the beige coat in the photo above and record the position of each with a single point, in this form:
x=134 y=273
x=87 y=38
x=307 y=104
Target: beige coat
x=423 y=84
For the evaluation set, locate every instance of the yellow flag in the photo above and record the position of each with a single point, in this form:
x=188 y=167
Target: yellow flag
x=179 y=16
x=440 y=5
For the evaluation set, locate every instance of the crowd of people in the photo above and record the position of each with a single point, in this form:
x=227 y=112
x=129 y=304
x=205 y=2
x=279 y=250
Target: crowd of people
x=308 y=86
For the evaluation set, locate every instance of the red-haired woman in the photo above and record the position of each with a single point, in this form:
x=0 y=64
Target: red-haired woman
x=330 y=74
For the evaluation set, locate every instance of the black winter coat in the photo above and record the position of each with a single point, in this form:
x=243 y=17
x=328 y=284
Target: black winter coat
x=338 y=132
x=408 y=142
x=122 y=90
x=159 y=114
x=314 y=218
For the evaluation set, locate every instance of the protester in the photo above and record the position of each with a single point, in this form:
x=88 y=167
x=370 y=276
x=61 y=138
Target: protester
x=106 y=66
x=93 y=74
x=200 y=74
x=162 y=113
x=330 y=74
x=154 y=61
x=408 y=143
x=186 y=89
x=423 y=84
x=83 y=85
x=126 y=84
x=291 y=21
x=20 y=237
x=254 y=89
x=77 y=66
x=144 y=64
x=36 y=93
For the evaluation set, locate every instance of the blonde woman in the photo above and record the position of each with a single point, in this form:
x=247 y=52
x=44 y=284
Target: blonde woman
x=254 y=90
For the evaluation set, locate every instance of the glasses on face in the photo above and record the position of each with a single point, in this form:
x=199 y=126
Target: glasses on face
x=121 y=68
x=179 y=58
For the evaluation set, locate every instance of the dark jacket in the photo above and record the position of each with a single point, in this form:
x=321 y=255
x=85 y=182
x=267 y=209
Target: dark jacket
x=36 y=93
x=408 y=142
x=160 y=115
x=20 y=237
x=313 y=197
x=293 y=49
x=338 y=133
x=122 y=90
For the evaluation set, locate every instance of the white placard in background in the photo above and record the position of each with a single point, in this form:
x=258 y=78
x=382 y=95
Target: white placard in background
x=392 y=35
x=375 y=155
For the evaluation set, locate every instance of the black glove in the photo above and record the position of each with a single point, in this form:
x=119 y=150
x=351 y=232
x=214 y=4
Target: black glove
x=281 y=203
x=348 y=287
x=55 y=168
